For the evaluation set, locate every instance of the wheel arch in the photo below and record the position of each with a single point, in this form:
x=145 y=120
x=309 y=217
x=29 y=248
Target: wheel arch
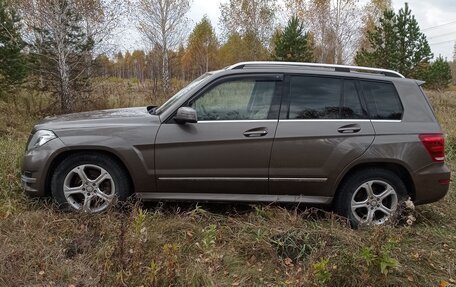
x=57 y=159
x=395 y=167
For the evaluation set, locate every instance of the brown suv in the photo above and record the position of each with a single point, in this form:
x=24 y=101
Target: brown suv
x=361 y=139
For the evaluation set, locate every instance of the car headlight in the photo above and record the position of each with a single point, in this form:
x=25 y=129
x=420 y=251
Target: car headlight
x=40 y=138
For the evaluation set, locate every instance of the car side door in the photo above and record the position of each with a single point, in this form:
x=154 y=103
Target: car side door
x=323 y=127
x=228 y=149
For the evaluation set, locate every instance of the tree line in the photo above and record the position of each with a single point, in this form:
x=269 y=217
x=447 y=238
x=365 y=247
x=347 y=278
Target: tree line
x=59 y=46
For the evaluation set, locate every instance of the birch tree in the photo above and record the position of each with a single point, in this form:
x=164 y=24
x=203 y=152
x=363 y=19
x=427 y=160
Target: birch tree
x=335 y=25
x=62 y=36
x=59 y=47
x=162 y=22
x=252 y=20
x=373 y=11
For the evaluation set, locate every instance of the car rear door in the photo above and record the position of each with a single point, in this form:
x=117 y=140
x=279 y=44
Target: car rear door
x=229 y=149
x=323 y=127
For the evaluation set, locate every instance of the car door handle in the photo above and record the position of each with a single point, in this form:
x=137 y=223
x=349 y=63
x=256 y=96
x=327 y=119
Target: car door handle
x=349 y=129
x=258 y=132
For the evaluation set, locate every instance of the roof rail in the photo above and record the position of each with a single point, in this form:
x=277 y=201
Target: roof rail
x=337 y=68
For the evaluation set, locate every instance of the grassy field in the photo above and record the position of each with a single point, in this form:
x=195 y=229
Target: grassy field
x=213 y=244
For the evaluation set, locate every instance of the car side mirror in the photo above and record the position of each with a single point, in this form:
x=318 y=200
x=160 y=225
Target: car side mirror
x=186 y=115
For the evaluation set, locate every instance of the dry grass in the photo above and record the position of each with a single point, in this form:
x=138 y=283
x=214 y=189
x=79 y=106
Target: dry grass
x=114 y=92
x=214 y=244
x=444 y=104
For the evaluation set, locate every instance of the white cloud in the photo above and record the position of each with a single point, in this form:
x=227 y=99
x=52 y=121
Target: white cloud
x=210 y=8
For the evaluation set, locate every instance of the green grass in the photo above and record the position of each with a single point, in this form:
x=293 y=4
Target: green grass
x=213 y=244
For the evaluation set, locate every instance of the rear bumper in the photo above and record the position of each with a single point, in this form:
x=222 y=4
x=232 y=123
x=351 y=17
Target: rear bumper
x=35 y=167
x=431 y=183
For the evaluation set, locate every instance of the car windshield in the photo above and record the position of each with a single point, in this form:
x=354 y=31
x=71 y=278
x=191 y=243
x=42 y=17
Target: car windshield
x=180 y=94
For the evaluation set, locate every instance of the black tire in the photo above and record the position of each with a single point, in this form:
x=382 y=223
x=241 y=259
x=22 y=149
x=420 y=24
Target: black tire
x=116 y=171
x=350 y=185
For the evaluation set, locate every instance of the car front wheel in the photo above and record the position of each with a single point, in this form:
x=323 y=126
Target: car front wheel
x=89 y=183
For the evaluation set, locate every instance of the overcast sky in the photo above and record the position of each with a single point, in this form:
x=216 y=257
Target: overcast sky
x=437 y=19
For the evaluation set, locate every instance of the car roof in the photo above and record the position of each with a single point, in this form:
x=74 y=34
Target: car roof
x=312 y=69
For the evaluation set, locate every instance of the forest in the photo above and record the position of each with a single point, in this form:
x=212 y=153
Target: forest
x=66 y=50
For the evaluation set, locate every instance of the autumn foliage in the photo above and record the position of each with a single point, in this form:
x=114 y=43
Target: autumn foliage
x=66 y=44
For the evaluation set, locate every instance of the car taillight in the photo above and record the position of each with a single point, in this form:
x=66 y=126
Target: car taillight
x=435 y=145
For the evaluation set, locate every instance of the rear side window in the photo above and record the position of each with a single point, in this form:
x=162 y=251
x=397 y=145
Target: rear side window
x=351 y=104
x=382 y=100
x=324 y=98
x=314 y=98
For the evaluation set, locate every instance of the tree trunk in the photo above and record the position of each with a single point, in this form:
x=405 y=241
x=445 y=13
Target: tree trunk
x=165 y=71
x=65 y=94
x=66 y=100
x=207 y=60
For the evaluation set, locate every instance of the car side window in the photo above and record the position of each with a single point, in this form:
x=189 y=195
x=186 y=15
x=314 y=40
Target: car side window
x=247 y=99
x=351 y=105
x=382 y=100
x=314 y=98
x=324 y=98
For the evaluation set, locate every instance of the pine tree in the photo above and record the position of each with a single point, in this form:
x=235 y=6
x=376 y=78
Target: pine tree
x=398 y=44
x=438 y=76
x=12 y=60
x=293 y=44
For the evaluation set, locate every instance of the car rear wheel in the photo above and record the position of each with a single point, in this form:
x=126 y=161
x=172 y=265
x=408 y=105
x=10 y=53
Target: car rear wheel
x=370 y=197
x=90 y=183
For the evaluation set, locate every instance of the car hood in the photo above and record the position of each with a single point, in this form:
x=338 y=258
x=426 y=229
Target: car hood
x=102 y=118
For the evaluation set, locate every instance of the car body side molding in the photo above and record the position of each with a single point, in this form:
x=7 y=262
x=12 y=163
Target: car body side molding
x=154 y=196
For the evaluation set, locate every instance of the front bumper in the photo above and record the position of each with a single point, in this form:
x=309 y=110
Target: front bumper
x=28 y=183
x=35 y=166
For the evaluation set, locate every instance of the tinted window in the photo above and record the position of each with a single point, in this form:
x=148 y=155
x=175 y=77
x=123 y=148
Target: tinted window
x=351 y=105
x=236 y=100
x=181 y=94
x=315 y=98
x=382 y=100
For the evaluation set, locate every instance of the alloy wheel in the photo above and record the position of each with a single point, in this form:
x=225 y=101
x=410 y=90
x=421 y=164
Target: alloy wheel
x=374 y=202
x=89 y=188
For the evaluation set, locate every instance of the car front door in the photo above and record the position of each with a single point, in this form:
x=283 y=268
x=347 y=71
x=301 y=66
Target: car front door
x=228 y=149
x=323 y=127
